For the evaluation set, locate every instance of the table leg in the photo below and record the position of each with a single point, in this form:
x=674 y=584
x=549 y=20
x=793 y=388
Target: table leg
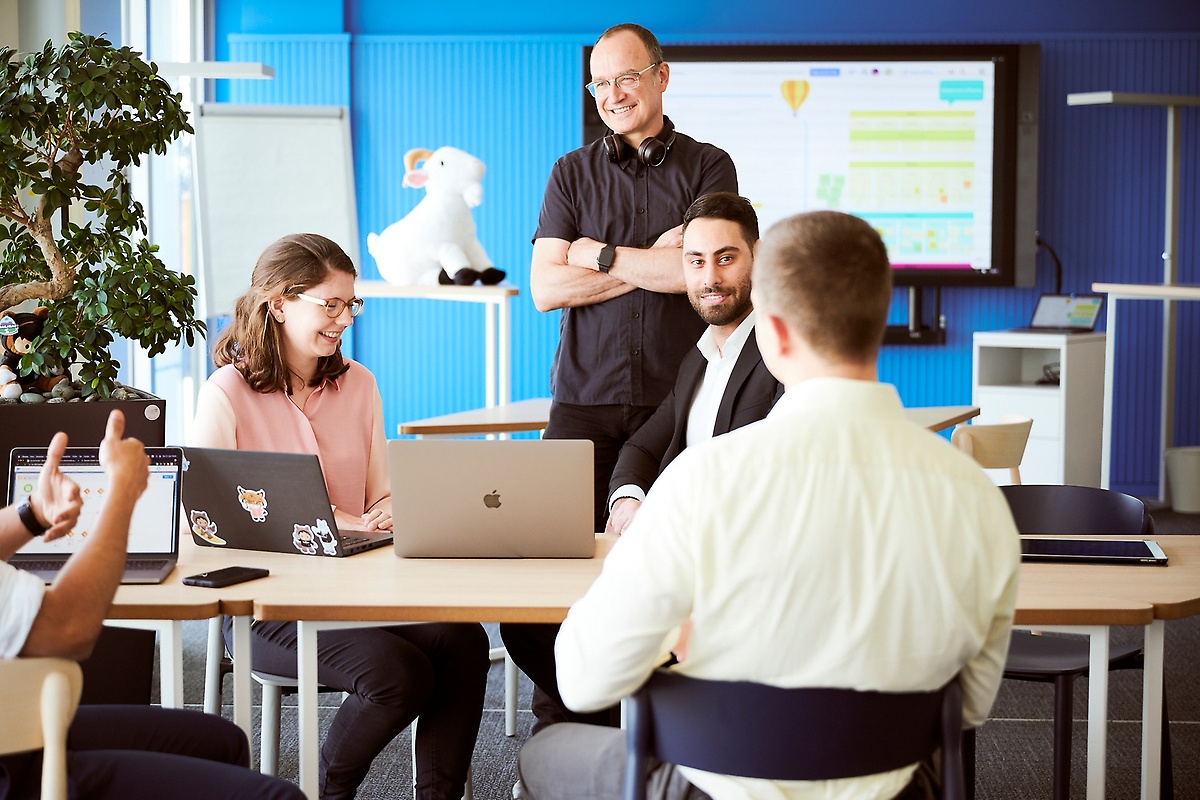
x=504 y=346
x=170 y=655
x=490 y=355
x=510 y=696
x=1110 y=366
x=306 y=674
x=1152 y=710
x=170 y=644
x=1097 y=713
x=212 y=667
x=242 y=692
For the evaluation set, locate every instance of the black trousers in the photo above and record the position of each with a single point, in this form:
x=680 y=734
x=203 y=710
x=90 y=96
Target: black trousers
x=532 y=646
x=608 y=427
x=132 y=752
x=436 y=672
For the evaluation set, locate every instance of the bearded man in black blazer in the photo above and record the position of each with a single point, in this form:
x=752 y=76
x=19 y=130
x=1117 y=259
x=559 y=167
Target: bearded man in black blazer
x=722 y=382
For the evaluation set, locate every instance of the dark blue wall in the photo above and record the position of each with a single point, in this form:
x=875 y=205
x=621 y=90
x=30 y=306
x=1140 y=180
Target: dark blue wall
x=506 y=87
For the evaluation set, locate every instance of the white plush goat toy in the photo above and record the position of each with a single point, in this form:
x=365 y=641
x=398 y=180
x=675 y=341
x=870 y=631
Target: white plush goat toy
x=435 y=242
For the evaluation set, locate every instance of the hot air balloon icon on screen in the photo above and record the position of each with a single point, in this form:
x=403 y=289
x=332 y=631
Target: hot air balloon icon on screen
x=795 y=92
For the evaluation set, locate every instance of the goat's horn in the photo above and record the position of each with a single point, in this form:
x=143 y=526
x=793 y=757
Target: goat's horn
x=413 y=156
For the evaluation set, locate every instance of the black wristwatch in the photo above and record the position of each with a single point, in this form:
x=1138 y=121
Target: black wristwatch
x=604 y=261
x=30 y=519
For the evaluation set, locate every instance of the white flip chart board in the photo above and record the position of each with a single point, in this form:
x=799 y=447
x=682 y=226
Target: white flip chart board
x=263 y=172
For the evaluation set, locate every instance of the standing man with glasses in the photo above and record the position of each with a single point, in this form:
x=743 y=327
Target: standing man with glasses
x=607 y=252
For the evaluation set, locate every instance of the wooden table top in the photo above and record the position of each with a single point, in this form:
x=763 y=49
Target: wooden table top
x=531 y=415
x=523 y=415
x=377 y=586
x=1173 y=591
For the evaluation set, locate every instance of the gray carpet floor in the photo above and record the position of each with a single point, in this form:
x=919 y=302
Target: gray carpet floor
x=1014 y=747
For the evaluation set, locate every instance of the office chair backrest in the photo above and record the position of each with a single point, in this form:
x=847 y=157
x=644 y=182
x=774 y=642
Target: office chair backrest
x=757 y=731
x=39 y=697
x=998 y=445
x=1086 y=510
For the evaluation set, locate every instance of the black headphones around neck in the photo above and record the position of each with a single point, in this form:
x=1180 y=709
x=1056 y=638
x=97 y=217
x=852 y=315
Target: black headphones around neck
x=652 y=151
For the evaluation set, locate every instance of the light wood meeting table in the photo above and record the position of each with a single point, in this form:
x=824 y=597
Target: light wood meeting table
x=532 y=415
x=377 y=588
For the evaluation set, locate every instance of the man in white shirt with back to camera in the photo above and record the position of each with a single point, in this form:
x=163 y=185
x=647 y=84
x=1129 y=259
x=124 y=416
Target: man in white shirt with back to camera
x=833 y=544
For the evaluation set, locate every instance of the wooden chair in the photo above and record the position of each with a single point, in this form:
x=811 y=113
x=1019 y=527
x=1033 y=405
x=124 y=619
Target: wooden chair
x=39 y=697
x=998 y=445
x=756 y=731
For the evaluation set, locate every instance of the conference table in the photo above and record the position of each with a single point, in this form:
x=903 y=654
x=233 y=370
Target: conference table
x=377 y=588
x=532 y=415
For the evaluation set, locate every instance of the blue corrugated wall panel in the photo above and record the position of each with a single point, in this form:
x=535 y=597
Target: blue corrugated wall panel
x=309 y=69
x=419 y=93
x=513 y=102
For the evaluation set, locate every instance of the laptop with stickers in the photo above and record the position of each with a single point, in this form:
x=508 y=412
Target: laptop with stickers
x=153 y=546
x=479 y=498
x=276 y=502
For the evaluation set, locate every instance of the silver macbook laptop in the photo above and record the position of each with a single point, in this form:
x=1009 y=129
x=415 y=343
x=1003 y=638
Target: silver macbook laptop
x=479 y=498
x=1065 y=313
x=153 y=547
x=276 y=502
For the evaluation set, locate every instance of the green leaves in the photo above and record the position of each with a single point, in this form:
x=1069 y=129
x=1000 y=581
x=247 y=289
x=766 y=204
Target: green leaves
x=89 y=102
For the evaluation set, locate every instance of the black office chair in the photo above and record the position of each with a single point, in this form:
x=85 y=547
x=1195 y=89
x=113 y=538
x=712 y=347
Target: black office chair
x=757 y=731
x=1066 y=510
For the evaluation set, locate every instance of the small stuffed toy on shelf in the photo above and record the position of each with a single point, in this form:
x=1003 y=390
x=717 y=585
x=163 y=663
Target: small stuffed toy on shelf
x=435 y=242
x=18 y=330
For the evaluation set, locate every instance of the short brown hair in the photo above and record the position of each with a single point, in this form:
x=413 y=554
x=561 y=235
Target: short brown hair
x=827 y=275
x=648 y=39
x=253 y=341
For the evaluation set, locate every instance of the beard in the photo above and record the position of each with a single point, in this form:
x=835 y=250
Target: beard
x=733 y=309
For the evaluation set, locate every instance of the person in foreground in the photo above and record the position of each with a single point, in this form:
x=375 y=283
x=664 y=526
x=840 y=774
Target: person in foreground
x=283 y=385
x=723 y=383
x=832 y=544
x=118 y=752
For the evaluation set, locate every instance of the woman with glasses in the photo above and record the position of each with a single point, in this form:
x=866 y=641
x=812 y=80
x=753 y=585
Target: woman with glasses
x=283 y=385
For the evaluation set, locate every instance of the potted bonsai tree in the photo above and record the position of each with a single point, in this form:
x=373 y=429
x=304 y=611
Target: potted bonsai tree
x=72 y=119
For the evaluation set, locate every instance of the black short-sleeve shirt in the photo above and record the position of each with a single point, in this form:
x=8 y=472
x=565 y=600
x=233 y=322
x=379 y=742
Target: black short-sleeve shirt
x=626 y=350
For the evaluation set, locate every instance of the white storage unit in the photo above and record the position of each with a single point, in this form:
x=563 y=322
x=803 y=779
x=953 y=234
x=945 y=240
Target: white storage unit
x=1064 y=443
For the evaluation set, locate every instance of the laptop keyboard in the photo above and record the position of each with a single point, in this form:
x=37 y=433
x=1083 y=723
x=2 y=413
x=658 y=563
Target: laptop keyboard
x=39 y=566
x=51 y=566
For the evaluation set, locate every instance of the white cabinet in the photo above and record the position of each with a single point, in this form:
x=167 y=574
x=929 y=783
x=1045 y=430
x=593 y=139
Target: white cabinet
x=1064 y=443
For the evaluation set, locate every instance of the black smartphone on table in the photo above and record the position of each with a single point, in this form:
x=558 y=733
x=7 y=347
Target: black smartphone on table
x=225 y=577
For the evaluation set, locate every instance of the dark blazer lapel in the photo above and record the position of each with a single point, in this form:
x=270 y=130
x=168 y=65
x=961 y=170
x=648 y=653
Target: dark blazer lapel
x=748 y=359
x=686 y=383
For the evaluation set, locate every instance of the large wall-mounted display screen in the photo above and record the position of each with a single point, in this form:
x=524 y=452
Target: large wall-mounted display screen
x=922 y=141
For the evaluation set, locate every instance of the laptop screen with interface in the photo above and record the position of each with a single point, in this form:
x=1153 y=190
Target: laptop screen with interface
x=153 y=530
x=1077 y=312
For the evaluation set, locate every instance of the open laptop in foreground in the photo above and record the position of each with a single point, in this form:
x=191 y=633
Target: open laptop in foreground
x=276 y=502
x=479 y=498
x=1065 y=313
x=153 y=547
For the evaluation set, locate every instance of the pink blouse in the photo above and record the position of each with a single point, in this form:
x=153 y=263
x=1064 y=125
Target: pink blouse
x=337 y=425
